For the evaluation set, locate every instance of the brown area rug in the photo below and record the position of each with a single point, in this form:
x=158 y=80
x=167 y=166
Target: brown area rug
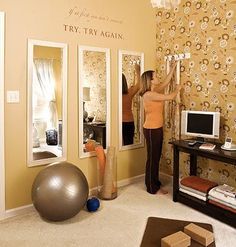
x=157 y=228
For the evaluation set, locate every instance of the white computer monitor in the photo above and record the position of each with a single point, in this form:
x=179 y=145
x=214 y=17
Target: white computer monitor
x=200 y=124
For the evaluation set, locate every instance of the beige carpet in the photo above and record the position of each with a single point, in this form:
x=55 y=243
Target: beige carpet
x=118 y=223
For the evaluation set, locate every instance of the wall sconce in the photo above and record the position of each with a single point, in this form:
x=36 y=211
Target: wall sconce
x=86 y=97
x=167 y=4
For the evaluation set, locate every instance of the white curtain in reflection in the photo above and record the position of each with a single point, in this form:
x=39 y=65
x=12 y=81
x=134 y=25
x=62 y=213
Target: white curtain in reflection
x=173 y=106
x=44 y=97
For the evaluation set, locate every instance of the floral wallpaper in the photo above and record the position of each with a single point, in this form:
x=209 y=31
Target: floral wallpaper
x=206 y=30
x=94 y=77
x=128 y=62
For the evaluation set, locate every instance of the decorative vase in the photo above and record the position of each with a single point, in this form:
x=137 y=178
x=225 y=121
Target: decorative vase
x=107 y=173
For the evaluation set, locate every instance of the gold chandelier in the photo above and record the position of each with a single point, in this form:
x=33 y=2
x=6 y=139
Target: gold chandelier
x=167 y=4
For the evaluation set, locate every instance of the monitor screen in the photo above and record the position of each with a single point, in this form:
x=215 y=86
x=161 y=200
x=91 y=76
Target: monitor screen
x=200 y=123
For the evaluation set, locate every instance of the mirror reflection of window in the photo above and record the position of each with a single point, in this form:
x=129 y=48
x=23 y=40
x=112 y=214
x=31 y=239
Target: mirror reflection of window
x=130 y=114
x=47 y=100
x=46 y=113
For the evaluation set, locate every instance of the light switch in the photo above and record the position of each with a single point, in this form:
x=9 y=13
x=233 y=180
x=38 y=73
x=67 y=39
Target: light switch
x=13 y=96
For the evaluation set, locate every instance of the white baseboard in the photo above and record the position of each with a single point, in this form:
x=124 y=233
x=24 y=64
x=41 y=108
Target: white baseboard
x=120 y=183
x=166 y=175
x=30 y=208
x=17 y=211
x=131 y=180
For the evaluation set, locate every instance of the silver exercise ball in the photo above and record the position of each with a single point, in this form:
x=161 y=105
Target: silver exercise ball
x=59 y=191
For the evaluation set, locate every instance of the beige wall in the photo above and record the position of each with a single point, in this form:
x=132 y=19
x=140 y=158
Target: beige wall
x=133 y=21
x=207 y=30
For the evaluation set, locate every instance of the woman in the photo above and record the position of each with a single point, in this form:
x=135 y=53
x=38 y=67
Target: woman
x=127 y=114
x=153 y=102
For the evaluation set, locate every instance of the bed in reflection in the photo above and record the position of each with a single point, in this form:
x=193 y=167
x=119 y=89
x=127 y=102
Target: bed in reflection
x=38 y=155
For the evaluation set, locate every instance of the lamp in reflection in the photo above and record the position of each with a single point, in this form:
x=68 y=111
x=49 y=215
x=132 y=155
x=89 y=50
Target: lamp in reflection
x=86 y=97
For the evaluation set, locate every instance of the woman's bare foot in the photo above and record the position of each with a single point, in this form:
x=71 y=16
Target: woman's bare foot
x=162 y=191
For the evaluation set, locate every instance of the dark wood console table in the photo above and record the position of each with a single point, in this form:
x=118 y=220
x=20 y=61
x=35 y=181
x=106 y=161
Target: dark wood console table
x=99 y=129
x=216 y=154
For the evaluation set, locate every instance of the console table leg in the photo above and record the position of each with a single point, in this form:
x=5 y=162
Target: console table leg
x=176 y=174
x=193 y=165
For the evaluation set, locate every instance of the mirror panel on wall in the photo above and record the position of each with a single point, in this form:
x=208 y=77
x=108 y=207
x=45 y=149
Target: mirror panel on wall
x=47 y=102
x=94 y=98
x=130 y=104
x=2 y=158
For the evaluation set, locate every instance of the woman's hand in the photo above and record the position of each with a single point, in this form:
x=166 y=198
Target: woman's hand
x=178 y=87
x=173 y=64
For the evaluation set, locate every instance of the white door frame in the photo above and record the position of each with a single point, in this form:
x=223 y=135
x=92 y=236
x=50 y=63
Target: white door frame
x=2 y=154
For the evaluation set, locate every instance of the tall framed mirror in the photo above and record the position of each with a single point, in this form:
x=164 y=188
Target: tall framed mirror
x=47 y=102
x=131 y=65
x=2 y=158
x=94 y=98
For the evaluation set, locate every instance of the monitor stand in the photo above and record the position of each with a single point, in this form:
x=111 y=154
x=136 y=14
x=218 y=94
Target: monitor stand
x=193 y=142
x=200 y=140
